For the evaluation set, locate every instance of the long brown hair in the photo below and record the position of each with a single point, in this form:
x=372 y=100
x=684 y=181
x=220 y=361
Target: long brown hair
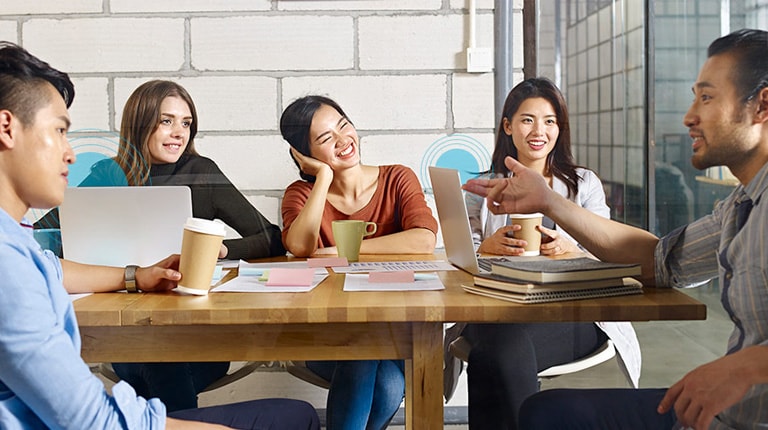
x=560 y=160
x=141 y=117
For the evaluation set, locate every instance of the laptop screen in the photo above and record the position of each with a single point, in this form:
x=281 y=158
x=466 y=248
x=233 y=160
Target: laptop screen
x=454 y=221
x=118 y=226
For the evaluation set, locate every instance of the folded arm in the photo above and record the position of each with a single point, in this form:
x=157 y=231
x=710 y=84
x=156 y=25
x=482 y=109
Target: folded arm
x=412 y=241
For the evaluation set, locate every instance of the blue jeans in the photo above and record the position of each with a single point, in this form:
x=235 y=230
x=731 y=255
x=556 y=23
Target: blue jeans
x=176 y=384
x=363 y=394
x=265 y=414
x=596 y=409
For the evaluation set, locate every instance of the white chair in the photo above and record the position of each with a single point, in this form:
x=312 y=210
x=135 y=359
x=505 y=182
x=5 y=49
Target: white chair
x=106 y=370
x=460 y=348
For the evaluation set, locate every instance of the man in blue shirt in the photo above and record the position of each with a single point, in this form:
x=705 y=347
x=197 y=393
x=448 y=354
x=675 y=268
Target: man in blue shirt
x=728 y=125
x=43 y=381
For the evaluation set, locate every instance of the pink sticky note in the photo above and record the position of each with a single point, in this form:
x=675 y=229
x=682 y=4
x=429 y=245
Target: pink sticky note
x=328 y=262
x=290 y=277
x=391 y=277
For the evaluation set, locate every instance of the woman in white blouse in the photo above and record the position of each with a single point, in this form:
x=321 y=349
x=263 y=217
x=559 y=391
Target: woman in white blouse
x=505 y=358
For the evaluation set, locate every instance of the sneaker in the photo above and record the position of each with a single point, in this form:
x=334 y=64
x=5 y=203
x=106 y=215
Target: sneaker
x=452 y=366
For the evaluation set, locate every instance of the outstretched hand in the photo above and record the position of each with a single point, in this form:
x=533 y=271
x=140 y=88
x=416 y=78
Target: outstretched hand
x=161 y=276
x=525 y=192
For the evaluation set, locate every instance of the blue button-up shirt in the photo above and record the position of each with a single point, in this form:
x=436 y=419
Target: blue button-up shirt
x=43 y=381
x=713 y=246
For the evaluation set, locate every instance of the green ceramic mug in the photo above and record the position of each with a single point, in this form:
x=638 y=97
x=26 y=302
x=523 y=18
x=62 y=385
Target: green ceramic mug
x=349 y=234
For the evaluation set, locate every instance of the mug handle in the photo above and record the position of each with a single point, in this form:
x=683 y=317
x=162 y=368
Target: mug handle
x=368 y=231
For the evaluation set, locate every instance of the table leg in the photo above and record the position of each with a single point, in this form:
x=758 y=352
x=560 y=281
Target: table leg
x=424 y=378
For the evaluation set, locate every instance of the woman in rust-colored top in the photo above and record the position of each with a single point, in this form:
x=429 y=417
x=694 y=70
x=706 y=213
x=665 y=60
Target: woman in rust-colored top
x=336 y=186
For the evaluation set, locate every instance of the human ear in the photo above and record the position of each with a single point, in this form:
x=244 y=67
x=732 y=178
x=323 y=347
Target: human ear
x=507 y=126
x=761 y=113
x=6 y=129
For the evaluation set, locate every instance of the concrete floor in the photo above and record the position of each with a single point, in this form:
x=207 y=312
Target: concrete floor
x=670 y=349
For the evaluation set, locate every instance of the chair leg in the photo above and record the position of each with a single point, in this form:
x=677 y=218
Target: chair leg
x=452 y=366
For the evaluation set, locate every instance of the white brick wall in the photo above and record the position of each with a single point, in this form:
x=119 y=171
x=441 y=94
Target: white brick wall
x=380 y=102
x=101 y=45
x=90 y=109
x=50 y=7
x=396 y=66
x=224 y=103
x=419 y=42
x=388 y=5
x=175 y=6
x=8 y=31
x=286 y=43
x=470 y=100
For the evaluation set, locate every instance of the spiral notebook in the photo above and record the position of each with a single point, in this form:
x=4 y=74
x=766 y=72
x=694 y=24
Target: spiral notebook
x=630 y=286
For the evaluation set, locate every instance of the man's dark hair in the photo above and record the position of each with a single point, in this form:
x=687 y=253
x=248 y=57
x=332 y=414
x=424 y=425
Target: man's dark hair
x=749 y=49
x=22 y=79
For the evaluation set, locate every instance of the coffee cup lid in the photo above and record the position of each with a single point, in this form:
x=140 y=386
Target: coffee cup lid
x=523 y=216
x=205 y=226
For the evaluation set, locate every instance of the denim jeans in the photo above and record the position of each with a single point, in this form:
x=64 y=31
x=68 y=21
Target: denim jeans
x=363 y=394
x=176 y=384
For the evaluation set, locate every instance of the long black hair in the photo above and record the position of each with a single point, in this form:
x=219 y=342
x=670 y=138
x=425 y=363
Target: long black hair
x=296 y=121
x=560 y=160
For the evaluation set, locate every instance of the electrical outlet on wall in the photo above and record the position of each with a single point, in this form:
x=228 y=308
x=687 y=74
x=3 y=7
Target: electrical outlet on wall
x=479 y=60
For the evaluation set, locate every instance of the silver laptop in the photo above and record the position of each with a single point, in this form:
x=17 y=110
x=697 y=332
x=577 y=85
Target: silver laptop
x=117 y=226
x=454 y=222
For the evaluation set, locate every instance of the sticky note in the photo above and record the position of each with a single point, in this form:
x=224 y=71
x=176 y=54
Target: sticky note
x=328 y=262
x=251 y=271
x=291 y=277
x=391 y=277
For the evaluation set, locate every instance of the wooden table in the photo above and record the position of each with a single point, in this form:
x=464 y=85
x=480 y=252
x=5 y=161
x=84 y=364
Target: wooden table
x=328 y=324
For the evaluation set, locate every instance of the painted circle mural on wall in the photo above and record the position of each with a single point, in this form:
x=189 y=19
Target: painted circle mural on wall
x=456 y=151
x=89 y=149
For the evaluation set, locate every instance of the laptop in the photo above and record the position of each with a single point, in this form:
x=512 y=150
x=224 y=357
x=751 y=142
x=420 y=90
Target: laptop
x=118 y=226
x=454 y=222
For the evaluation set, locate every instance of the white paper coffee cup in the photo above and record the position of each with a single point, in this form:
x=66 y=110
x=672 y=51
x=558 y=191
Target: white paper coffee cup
x=528 y=232
x=200 y=247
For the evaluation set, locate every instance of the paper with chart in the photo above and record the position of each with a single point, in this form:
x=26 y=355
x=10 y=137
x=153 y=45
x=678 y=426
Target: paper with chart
x=253 y=277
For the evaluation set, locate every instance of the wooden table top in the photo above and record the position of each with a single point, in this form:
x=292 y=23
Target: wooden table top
x=328 y=303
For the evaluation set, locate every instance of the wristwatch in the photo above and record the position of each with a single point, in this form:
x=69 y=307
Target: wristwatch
x=130 y=279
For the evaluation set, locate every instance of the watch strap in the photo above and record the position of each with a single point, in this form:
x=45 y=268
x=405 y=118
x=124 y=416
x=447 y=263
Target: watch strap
x=130 y=279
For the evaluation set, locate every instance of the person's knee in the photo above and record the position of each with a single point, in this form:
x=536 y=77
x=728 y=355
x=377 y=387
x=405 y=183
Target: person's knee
x=550 y=409
x=302 y=416
x=390 y=381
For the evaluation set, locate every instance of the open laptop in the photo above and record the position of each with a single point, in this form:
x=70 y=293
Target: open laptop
x=117 y=226
x=454 y=222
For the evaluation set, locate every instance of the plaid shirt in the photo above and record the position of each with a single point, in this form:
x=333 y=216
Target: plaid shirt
x=713 y=246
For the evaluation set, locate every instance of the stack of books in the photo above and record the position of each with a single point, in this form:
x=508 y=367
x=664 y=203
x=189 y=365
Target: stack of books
x=541 y=280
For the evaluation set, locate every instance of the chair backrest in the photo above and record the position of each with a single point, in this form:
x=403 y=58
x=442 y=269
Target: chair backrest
x=460 y=349
x=106 y=370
